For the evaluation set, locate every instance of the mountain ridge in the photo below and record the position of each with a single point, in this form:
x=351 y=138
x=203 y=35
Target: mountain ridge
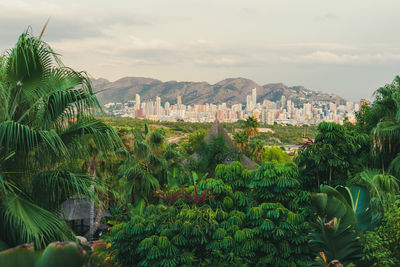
x=229 y=90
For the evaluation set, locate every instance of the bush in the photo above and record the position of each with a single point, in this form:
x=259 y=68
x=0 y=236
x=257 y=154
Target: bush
x=236 y=228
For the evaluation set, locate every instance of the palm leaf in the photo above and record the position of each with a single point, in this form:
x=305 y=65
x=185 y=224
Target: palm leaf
x=19 y=137
x=103 y=136
x=51 y=188
x=26 y=222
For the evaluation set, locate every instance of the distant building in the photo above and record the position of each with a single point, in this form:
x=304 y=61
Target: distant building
x=249 y=105
x=179 y=102
x=254 y=96
x=137 y=104
x=283 y=111
x=364 y=102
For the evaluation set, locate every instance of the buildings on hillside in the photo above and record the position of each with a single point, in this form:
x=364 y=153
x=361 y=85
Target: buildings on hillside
x=283 y=111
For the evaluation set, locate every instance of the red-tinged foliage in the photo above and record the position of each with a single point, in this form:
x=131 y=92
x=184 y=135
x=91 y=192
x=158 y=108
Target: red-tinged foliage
x=196 y=198
x=168 y=196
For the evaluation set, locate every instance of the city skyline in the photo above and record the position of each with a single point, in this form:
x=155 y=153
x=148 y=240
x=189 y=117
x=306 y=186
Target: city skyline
x=281 y=112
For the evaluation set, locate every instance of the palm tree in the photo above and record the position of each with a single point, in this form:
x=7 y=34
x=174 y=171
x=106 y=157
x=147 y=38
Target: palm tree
x=386 y=134
x=382 y=187
x=251 y=127
x=256 y=149
x=240 y=140
x=149 y=159
x=46 y=114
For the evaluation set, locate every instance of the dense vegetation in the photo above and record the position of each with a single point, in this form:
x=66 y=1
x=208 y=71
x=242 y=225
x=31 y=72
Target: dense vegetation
x=334 y=202
x=279 y=134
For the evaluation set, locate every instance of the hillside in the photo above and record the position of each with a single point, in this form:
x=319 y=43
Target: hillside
x=231 y=91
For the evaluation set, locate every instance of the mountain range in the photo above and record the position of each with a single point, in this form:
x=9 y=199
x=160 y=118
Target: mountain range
x=230 y=91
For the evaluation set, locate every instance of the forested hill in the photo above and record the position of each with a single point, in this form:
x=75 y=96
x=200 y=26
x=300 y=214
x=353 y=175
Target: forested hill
x=231 y=91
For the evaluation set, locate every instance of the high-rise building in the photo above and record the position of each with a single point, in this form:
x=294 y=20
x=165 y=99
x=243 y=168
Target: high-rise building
x=332 y=107
x=307 y=110
x=179 y=102
x=249 y=105
x=158 y=106
x=137 y=104
x=254 y=96
x=289 y=106
x=283 y=102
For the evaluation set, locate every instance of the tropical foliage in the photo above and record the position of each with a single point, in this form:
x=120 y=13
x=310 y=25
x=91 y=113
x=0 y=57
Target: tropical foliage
x=46 y=117
x=234 y=228
x=188 y=202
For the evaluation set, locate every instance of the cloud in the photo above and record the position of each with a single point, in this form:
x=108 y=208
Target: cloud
x=325 y=57
x=219 y=61
x=70 y=23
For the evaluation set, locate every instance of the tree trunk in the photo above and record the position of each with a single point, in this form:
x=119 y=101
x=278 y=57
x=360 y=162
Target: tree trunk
x=92 y=170
x=97 y=219
x=319 y=184
x=330 y=175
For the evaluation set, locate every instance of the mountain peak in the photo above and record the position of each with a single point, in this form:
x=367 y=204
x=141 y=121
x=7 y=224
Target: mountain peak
x=230 y=91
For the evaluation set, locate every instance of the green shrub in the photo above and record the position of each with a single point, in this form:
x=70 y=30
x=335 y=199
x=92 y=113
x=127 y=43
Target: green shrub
x=235 y=228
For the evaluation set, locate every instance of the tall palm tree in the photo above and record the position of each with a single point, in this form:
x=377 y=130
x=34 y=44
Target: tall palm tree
x=251 y=126
x=256 y=149
x=46 y=114
x=386 y=134
x=148 y=160
x=240 y=139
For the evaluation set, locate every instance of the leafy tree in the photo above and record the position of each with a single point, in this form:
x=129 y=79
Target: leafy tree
x=194 y=141
x=334 y=153
x=46 y=114
x=234 y=228
x=381 y=247
x=275 y=154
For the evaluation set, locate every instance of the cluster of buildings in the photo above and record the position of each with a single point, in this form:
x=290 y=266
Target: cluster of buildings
x=268 y=112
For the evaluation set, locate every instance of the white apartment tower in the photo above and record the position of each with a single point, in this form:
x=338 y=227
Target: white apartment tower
x=249 y=105
x=179 y=102
x=137 y=105
x=283 y=102
x=254 y=96
x=307 y=110
x=158 y=106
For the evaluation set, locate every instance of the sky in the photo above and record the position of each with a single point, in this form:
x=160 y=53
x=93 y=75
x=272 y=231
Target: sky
x=346 y=47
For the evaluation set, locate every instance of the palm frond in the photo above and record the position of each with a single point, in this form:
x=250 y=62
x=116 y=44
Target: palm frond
x=19 y=137
x=138 y=182
x=27 y=222
x=104 y=137
x=51 y=188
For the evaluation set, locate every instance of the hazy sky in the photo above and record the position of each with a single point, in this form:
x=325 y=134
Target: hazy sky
x=348 y=47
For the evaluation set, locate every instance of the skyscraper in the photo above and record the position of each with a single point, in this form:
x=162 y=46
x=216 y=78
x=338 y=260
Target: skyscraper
x=249 y=105
x=137 y=105
x=158 y=106
x=179 y=102
x=283 y=102
x=254 y=97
